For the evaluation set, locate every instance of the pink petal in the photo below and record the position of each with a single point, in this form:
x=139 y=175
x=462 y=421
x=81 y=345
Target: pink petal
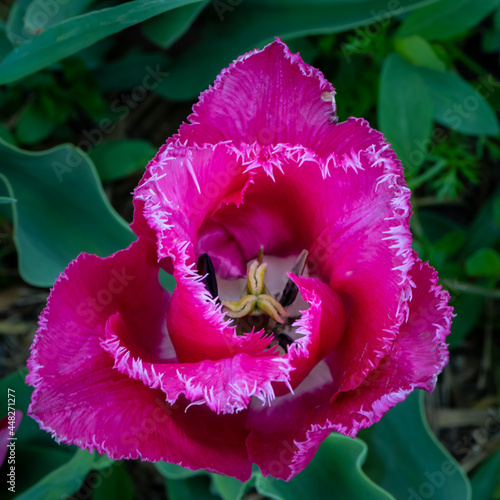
x=359 y=244
x=81 y=399
x=270 y=95
x=224 y=385
x=285 y=436
x=322 y=327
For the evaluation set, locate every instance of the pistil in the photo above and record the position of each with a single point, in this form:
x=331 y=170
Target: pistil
x=256 y=299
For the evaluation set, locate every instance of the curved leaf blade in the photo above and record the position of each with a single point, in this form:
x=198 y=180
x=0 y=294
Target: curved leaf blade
x=407 y=460
x=335 y=473
x=404 y=110
x=446 y=18
x=458 y=105
x=486 y=478
x=165 y=29
x=72 y=35
x=61 y=210
x=247 y=28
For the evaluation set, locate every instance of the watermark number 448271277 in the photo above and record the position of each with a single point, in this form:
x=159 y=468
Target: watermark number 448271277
x=11 y=440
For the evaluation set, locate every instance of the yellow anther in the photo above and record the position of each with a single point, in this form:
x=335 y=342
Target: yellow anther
x=255 y=278
x=256 y=299
x=271 y=307
x=241 y=307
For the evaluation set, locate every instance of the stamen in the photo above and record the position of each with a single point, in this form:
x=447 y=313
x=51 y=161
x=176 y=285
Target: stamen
x=206 y=269
x=240 y=308
x=271 y=307
x=291 y=289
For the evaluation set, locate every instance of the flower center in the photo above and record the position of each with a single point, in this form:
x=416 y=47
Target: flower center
x=257 y=308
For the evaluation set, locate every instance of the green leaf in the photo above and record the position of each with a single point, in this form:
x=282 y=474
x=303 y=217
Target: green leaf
x=334 y=473
x=72 y=35
x=117 y=75
x=458 y=105
x=406 y=459
x=61 y=210
x=404 y=110
x=113 y=482
x=247 y=28
x=118 y=158
x=468 y=308
x=6 y=135
x=486 y=478
x=485 y=262
x=418 y=51
x=193 y=488
x=446 y=18
x=5 y=45
x=165 y=29
x=15 y=30
x=230 y=488
x=64 y=481
x=33 y=125
x=485 y=229
x=41 y=15
x=173 y=471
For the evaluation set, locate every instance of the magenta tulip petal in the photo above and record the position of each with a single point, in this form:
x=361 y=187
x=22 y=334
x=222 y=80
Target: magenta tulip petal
x=224 y=385
x=285 y=436
x=80 y=398
x=271 y=96
x=322 y=327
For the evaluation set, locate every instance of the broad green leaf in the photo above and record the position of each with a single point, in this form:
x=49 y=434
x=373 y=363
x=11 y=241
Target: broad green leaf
x=6 y=135
x=230 y=488
x=64 y=481
x=5 y=45
x=195 y=488
x=406 y=459
x=118 y=158
x=61 y=210
x=15 y=30
x=446 y=18
x=485 y=229
x=40 y=15
x=484 y=262
x=33 y=125
x=245 y=27
x=418 y=51
x=468 y=308
x=458 y=105
x=173 y=471
x=334 y=473
x=113 y=482
x=148 y=72
x=404 y=110
x=165 y=29
x=486 y=478
x=72 y=35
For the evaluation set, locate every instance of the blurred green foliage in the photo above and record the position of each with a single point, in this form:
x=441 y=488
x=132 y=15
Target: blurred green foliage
x=78 y=79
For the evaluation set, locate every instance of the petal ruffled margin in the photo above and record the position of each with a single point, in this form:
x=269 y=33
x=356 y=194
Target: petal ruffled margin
x=80 y=398
x=267 y=97
x=285 y=436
